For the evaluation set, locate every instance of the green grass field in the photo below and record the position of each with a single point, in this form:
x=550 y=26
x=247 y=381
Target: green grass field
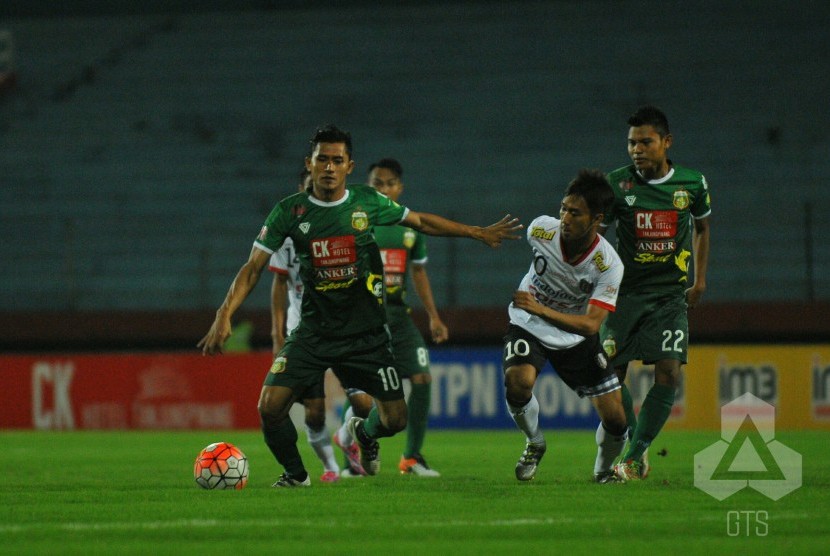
x=133 y=493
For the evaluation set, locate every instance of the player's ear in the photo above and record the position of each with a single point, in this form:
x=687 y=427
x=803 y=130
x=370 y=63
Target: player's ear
x=351 y=166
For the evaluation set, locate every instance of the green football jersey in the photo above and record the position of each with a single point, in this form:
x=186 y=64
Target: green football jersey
x=654 y=225
x=340 y=263
x=399 y=246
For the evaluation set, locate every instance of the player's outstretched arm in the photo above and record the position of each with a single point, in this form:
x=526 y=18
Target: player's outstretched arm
x=434 y=225
x=241 y=286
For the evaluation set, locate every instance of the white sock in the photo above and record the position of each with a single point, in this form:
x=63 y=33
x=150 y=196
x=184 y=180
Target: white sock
x=527 y=419
x=321 y=443
x=343 y=434
x=609 y=448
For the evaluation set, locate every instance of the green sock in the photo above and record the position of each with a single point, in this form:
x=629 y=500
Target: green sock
x=416 y=425
x=282 y=441
x=653 y=415
x=628 y=407
x=373 y=426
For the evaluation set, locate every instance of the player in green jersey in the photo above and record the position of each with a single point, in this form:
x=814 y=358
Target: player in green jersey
x=343 y=323
x=403 y=249
x=661 y=212
x=286 y=298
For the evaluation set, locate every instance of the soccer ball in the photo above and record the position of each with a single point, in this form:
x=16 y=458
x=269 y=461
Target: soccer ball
x=221 y=465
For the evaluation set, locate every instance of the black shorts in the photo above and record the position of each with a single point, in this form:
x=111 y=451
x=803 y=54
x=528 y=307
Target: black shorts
x=583 y=367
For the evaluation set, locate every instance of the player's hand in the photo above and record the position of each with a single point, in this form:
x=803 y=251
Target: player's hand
x=438 y=330
x=214 y=340
x=693 y=296
x=505 y=228
x=525 y=300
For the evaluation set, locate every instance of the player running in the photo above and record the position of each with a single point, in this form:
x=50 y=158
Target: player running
x=662 y=223
x=555 y=317
x=343 y=323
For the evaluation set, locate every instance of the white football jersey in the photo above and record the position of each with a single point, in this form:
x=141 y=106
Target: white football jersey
x=284 y=261
x=563 y=286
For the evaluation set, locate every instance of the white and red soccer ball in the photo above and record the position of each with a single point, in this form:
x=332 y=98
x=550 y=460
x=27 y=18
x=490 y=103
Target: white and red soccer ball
x=221 y=465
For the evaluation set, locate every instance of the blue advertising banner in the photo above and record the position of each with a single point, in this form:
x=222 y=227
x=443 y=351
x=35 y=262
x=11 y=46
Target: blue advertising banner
x=468 y=392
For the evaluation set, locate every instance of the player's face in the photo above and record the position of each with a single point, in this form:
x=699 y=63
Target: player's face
x=649 y=151
x=575 y=218
x=329 y=165
x=386 y=182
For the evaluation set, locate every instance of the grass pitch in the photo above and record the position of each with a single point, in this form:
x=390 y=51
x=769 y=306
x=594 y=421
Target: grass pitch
x=133 y=493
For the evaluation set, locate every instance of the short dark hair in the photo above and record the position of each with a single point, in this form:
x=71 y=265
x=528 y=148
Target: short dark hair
x=593 y=186
x=390 y=164
x=650 y=115
x=330 y=133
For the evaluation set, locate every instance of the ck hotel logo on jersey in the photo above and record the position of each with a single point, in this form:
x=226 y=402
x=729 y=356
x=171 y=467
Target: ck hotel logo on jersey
x=656 y=230
x=334 y=261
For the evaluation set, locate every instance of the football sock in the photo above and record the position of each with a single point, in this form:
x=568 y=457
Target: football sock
x=628 y=406
x=321 y=443
x=282 y=441
x=609 y=446
x=526 y=418
x=343 y=434
x=372 y=427
x=653 y=415
x=416 y=424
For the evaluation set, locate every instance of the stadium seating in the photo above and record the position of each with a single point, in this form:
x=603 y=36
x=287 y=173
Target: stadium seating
x=141 y=153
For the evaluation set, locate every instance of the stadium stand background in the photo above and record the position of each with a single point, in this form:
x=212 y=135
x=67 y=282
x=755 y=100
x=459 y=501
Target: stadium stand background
x=144 y=143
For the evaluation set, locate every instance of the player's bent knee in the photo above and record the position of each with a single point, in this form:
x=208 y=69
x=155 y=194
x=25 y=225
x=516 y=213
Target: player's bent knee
x=273 y=404
x=518 y=383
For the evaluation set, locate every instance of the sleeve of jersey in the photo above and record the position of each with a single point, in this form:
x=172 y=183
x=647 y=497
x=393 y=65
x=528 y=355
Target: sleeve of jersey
x=389 y=212
x=273 y=232
x=702 y=206
x=531 y=228
x=279 y=261
x=418 y=254
x=608 y=286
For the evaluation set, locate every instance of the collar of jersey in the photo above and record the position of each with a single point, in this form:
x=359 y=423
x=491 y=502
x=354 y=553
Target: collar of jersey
x=320 y=203
x=664 y=179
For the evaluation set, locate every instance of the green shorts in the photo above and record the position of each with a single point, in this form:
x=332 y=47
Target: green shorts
x=647 y=328
x=361 y=361
x=411 y=354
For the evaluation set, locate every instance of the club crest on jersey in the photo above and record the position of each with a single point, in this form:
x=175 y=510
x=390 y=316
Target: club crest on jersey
x=279 y=365
x=409 y=238
x=680 y=200
x=585 y=286
x=610 y=347
x=305 y=226
x=360 y=220
x=626 y=185
x=630 y=200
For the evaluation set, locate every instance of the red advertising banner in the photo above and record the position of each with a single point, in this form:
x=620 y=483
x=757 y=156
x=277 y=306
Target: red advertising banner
x=132 y=391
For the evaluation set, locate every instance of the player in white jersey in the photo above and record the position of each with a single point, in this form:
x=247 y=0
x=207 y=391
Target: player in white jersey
x=287 y=286
x=555 y=317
